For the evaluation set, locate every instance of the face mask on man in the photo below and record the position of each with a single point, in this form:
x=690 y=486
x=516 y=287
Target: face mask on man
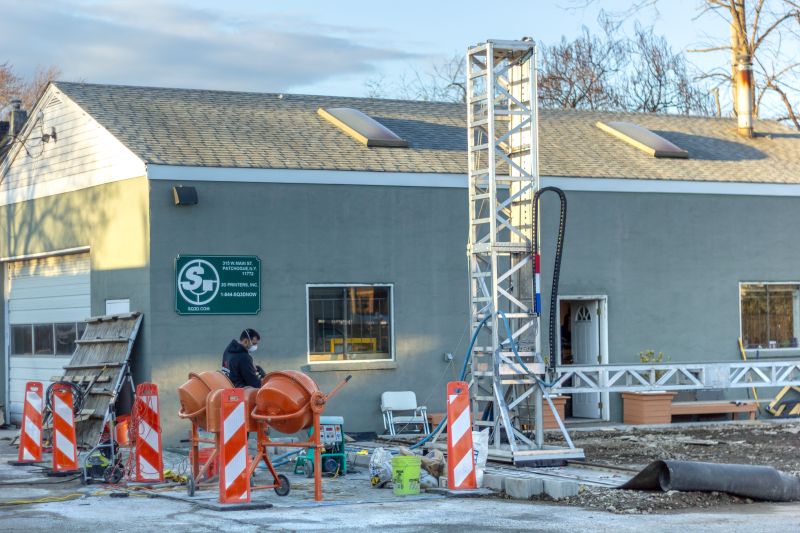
x=252 y=348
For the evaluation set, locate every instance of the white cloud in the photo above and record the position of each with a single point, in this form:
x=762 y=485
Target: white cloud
x=144 y=42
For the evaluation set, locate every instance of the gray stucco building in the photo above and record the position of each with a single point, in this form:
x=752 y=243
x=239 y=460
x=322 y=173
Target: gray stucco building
x=362 y=248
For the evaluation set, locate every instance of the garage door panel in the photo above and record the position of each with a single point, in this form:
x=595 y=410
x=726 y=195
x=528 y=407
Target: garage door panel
x=43 y=291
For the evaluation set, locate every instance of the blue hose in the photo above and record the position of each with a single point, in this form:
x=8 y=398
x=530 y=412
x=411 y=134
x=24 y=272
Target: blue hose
x=467 y=358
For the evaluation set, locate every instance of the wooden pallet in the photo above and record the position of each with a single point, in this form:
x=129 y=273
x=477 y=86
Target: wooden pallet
x=100 y=365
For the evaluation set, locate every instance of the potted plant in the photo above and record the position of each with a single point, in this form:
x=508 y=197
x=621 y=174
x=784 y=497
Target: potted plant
x=652 y=407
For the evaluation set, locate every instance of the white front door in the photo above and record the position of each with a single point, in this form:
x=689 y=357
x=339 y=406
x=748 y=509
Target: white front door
x=585 y=326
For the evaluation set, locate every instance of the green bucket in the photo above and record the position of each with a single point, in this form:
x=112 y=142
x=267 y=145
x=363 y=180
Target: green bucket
x=405 y=475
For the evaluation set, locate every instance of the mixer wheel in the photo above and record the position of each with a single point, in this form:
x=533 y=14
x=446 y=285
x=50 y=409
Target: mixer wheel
x=284 y=487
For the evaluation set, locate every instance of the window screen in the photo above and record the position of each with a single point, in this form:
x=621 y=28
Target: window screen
x=349 y=323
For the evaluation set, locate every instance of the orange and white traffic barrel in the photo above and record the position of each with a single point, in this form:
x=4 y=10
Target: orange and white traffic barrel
x=460 y=458
x=30 y=437
x=234 y=481
x=149 y=455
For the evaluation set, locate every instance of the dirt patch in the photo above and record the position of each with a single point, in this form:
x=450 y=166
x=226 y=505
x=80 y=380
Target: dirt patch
x=756 y=443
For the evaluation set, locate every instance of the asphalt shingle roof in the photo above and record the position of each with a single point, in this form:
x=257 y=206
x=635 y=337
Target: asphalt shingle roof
x=257 y=130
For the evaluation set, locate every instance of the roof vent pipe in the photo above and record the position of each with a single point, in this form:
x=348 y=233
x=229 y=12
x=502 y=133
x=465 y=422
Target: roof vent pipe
x=744 y=94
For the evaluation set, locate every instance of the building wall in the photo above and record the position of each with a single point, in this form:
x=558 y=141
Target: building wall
x=414 y=238
x=112 y=220
x=670 y=265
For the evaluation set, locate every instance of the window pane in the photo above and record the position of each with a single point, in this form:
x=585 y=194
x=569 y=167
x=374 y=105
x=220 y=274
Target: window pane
x=43 y=339
x=326 y=327
x=81 y=329
x=22 y=339
x=65 y=338
x=349 y=323
x=770 y=315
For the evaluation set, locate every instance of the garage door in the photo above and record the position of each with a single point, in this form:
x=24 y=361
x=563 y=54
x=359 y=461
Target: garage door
x=48 y=300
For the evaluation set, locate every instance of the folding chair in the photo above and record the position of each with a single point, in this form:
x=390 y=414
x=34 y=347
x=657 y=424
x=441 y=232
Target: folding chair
x=403 y=401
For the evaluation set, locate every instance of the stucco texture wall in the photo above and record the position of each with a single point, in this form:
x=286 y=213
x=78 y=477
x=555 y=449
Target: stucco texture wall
x=413 y=238
x=670 y=265
x=111 y=219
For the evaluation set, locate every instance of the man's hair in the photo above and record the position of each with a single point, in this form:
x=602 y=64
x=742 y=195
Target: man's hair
x=249 y=334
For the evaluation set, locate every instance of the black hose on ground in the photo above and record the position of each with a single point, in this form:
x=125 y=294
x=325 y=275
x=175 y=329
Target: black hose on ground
x=750 y=481
x=562 y=226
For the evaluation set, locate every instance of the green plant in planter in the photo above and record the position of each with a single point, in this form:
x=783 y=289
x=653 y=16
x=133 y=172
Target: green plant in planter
x=650 y=356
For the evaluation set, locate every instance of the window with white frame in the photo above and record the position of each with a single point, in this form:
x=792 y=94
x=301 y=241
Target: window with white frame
x=45 y=339
x=770 y=315
x=349 y=322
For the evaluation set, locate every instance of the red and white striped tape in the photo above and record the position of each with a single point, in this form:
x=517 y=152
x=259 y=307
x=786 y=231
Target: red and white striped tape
x=65 y=448
x=30 y=438
x=234 y=483
x=149 y=455
x=460 y=458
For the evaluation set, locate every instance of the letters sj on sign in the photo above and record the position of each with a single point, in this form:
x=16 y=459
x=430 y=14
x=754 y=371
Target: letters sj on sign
x=217 y=285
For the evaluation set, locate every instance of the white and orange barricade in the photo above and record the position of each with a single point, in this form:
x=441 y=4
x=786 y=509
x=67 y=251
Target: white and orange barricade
x=149 y=455
x=65 y=448
x=460 y=457
x=234 y=478
x=30 y=436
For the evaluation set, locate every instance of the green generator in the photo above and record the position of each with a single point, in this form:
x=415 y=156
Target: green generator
x=334 y=458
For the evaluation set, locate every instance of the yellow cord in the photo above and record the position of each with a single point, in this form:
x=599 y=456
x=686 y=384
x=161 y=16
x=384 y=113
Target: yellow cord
x=47 y=499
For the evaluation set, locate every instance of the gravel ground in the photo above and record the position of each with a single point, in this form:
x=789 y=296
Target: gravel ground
x=756 y=443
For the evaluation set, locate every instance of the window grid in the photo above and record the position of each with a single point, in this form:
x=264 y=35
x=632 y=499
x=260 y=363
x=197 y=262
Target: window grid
x=349 y=322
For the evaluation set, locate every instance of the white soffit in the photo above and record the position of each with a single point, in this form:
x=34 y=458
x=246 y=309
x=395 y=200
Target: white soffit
x=459 y=181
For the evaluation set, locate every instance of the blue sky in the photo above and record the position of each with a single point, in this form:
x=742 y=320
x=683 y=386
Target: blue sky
x=300 y=46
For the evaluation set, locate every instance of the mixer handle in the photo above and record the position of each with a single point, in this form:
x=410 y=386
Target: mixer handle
x=182 y=414
x=336 y=389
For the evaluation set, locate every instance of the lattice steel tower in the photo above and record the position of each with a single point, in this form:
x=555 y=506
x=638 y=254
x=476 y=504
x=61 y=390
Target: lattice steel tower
x=503 y=179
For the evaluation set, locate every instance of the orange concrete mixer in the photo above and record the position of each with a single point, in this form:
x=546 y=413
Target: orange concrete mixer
x=288 y=401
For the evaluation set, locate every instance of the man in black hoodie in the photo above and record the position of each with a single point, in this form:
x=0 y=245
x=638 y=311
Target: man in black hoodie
x=237 y=360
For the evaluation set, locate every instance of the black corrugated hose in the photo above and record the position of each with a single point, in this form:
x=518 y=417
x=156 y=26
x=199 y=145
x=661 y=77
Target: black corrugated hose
x=562 y=226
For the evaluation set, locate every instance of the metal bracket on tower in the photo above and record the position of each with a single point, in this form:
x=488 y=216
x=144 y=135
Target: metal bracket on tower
x=502 y=127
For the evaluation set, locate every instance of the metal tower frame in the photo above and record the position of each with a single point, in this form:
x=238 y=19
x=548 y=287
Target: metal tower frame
x=503 y=153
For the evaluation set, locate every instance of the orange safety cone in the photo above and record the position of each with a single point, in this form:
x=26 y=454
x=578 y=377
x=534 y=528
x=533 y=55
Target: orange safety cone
x=460 y=457
x=234 y=482
x=65 y=448
x=148 y=453
x=30 y=437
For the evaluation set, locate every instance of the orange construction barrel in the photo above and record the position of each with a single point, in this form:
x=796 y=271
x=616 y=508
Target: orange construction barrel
x=284 y=393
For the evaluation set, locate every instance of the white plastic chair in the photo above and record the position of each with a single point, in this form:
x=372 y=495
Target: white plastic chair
x=403 y=401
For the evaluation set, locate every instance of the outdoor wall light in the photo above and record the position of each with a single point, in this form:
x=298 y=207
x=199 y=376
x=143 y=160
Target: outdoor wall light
x=184 y=195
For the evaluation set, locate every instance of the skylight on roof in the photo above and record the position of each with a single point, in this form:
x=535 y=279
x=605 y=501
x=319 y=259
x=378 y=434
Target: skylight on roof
x=362 y=127
x=643 y=139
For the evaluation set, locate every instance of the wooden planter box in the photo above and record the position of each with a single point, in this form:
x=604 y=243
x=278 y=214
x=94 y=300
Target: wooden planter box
x=549 y=420
x=647 y=407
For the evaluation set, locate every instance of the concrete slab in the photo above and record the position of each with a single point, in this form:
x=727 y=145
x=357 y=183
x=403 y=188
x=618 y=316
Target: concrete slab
x=560 y=488
x=523 y=488
x=494 y=481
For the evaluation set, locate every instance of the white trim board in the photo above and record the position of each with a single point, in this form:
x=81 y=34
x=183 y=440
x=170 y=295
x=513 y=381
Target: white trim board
x=459 y=181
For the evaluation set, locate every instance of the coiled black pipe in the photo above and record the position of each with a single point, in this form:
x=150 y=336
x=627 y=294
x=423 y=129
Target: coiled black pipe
x=562 y=226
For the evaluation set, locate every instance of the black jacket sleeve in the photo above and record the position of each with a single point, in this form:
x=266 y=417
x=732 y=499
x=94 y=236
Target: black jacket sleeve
x=242 y=366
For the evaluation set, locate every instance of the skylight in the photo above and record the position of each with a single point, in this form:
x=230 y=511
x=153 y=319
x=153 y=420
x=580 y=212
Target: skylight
x=362 y=127
x=643 y=139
